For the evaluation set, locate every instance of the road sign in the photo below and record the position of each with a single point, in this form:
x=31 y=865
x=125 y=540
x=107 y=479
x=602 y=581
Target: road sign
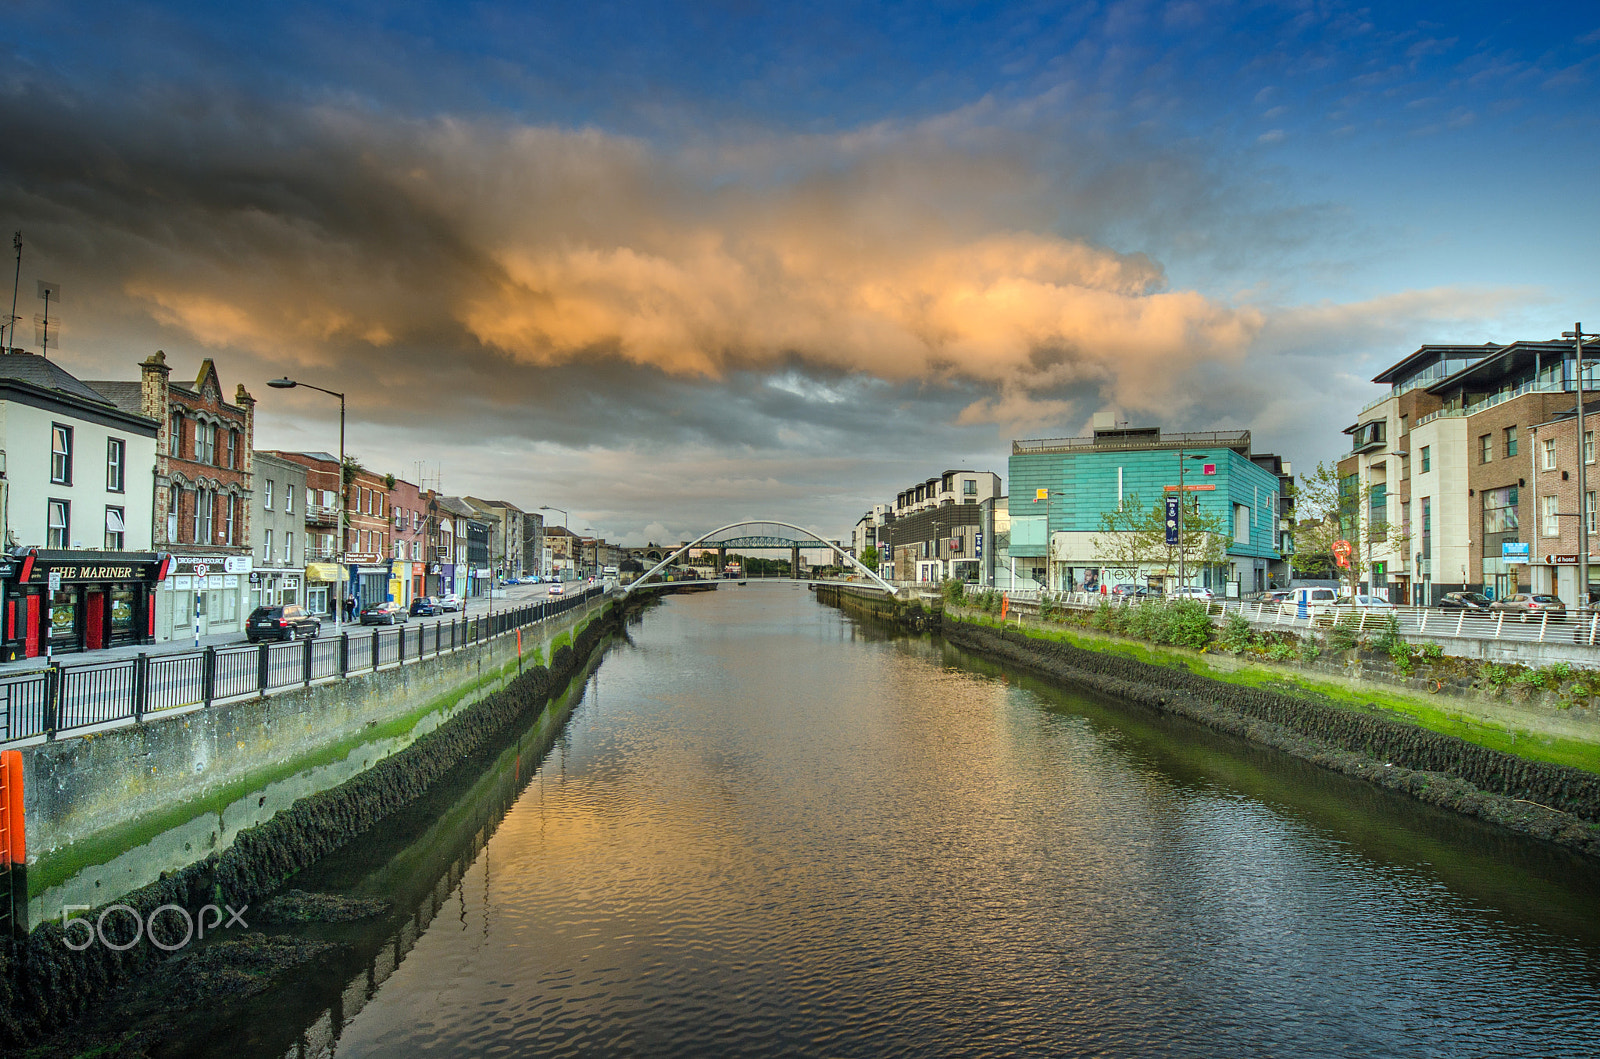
x=200 y=569
x=55 y=581
x=1561 y=560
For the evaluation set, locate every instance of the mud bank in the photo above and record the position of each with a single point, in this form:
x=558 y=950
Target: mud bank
x=44 y=983
x=1552 y=802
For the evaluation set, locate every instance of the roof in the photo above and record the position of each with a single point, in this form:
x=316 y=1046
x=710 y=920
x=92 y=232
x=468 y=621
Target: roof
x=1500 y=362
x=48 y=375
x=456 y=506
x=1401 y=368
x=128 y=396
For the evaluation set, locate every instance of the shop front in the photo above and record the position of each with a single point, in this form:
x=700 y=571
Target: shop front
x=369 y=584
x=206 y=595
x=271 y=588
x=321 y=587
x=78 y=601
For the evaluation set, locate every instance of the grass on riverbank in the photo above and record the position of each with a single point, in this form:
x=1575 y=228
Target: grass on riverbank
x=1558 y=750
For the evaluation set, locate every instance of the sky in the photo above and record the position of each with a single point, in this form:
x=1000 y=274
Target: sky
x=669 y=266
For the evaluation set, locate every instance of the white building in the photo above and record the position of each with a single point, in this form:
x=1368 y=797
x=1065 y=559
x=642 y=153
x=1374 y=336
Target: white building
x=77 y=494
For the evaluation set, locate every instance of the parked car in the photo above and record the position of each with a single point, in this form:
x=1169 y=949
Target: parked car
x=531 y=579
x=288 y=622
x=1317 y=599
x=451 y=602
x=1192 y=592
x=386 y=613
x=1464 y=601
x=1372 y=603
x=425 y=606
x=555 y=589
x=1524 y=604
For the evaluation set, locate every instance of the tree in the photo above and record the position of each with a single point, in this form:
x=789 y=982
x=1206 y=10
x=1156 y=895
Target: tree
x=1134 y=536
x=1329 y=510
x=869 y=558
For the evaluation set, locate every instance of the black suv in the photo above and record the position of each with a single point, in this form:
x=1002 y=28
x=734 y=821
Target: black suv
x=288 y=622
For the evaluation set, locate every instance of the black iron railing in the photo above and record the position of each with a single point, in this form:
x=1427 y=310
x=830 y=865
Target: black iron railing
x=62 y=699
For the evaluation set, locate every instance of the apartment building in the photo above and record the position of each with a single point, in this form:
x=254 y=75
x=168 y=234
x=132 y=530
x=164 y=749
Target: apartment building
x=1440 y=468
x=934 y=530
x=277 y=521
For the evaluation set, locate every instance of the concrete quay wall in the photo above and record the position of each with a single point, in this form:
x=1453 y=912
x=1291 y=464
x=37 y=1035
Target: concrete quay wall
x=112 y=811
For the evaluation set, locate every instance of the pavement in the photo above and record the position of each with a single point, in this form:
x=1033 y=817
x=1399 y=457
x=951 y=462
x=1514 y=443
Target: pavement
x=506 y=598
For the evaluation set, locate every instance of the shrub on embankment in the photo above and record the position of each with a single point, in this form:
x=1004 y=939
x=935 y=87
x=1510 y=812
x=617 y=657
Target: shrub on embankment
x=1554 y=802
x=44 y=983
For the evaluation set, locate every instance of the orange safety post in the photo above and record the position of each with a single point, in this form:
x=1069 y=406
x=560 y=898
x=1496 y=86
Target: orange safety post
x=13 y=823
x=1005 y=605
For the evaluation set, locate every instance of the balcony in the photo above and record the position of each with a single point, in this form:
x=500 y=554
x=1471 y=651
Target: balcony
x=321 y=555
x=322 y=515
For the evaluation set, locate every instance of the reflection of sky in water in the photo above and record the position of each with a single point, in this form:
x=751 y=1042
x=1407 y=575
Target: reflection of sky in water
x=764 y=831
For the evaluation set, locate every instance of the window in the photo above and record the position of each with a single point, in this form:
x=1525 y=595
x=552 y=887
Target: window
x=1427 y=458
x=208 y=506
x=1241 y=523
x=205 y=442
x=60 y=454
x=1588 y=510
x=60 y=524
x=1588 y=446
x=1378 y=509
x=1550 y=524
x=175 y=435
x=199 y=497
x=1511 y=442
x=266 y=545
x=1427 y=528
x=288 y=500
x=969 y=487
x=266 y=494
x=233 y=449
x=288 y=549
x=1500 y=509
x=116 y=464
x=228 y=506
x=1485 y=448
x=1547 y=454
x=116 y=529
x=172 y=513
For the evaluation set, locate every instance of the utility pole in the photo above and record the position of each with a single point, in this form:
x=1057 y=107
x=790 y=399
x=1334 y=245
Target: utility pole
x=16 y=285
x=1577 y=336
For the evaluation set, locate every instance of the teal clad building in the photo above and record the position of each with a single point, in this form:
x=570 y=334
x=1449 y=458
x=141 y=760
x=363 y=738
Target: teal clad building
x=1059 y=541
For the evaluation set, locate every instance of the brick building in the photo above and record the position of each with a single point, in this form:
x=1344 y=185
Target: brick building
x=203 y=485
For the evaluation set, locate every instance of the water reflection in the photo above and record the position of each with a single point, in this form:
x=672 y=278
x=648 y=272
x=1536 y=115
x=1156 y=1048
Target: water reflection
x=787 y=831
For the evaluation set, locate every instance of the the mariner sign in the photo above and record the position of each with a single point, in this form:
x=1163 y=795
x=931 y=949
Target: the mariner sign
x=98 y=570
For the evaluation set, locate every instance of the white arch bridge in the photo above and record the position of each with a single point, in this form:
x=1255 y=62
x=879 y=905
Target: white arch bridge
x=761 y=534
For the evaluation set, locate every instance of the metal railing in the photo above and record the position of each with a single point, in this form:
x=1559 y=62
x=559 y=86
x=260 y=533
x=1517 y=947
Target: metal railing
x=1581 y=627
x=61 y=700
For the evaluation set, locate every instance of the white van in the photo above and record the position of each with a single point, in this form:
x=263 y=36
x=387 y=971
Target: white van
x=1316 y=599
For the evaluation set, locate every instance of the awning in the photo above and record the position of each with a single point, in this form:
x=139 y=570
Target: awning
x=322 y=572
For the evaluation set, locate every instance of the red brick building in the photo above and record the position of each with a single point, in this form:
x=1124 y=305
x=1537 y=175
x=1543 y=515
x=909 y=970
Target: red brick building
x=203 y=483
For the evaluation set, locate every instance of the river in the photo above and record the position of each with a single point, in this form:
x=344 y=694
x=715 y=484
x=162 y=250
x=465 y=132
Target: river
x=769 y=828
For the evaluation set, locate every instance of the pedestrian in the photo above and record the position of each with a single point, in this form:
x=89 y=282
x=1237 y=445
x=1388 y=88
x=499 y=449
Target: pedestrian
x=349 y=608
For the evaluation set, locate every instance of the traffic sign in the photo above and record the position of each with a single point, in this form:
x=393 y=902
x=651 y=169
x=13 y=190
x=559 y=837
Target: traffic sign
x=55 y=580
x=200 y=569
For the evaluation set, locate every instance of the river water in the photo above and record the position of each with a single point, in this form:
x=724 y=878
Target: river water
x=769 y=828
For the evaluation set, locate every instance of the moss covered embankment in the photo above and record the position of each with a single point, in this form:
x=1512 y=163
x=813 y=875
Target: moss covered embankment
x=44 y=983
x=1554 y=802
x=914 y=614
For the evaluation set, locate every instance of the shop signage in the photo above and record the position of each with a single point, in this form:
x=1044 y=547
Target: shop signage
x=1514 y=550
x=238 y=564
x=1191 y=488
x=55 y=573
x=1561 y=560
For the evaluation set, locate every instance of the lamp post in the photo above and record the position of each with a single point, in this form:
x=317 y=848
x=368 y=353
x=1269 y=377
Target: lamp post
x=547 y=507
x=287 y=383
x=1577 y=336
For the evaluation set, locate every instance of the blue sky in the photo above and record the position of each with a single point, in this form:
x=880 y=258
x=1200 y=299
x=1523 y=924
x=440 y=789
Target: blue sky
x=673 y=264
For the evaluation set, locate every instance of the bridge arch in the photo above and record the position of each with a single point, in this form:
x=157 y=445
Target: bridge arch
x=756 y=541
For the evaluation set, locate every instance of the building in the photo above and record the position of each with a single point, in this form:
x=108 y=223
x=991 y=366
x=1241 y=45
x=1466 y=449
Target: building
x=934 y=530
x=320 y=516
x=865 y=534
x=202 y=495
x=76 y=472
x=534 y=559
x=1065 y=491
x=566 y=552
x=409 y=540
x=466 y=534
x=1442 y=469
x=505 y=543
x=278 y=523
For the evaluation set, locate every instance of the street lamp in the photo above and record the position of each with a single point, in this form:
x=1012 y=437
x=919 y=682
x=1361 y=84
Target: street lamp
x=547 y=507
x=287 y=383
x=1577 y=336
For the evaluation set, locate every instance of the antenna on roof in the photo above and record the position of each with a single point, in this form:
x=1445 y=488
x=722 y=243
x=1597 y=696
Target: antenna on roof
x=47 y=290
x=16 y=285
